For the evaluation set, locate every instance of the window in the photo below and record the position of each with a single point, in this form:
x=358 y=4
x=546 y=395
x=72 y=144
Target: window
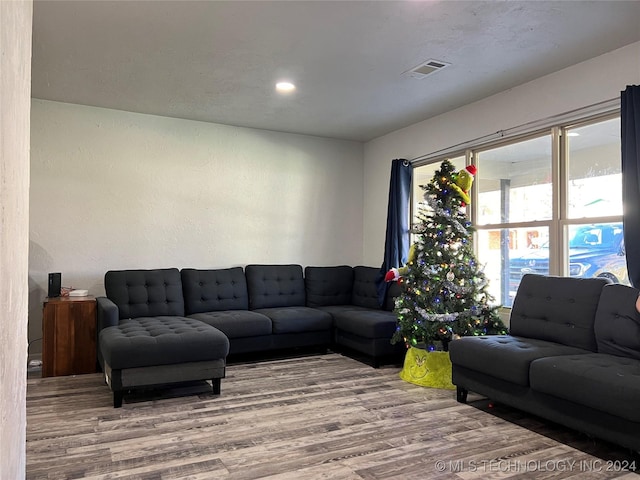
x=549 y=203
x=423 y=175
x=594 y=169
x=514 y=185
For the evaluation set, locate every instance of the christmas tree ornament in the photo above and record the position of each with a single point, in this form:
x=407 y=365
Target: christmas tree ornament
x=395 y=274
x=463 y=181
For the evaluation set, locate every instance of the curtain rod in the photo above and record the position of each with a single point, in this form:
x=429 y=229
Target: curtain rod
x=593 y=109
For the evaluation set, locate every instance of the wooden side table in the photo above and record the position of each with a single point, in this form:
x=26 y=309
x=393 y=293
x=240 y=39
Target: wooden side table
x=69 y=336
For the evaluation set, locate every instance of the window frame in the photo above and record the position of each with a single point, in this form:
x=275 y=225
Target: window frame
x=559 y=223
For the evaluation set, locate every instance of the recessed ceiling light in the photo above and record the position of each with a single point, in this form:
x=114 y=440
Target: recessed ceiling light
x=573 y=134
x=285 y=87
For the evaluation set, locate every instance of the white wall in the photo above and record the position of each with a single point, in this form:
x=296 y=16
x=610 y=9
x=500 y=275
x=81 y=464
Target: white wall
x=587 y=83
x=15 y=80
x=117 y=190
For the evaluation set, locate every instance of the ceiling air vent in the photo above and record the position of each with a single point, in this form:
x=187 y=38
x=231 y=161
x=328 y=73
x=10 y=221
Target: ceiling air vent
x=427 y=68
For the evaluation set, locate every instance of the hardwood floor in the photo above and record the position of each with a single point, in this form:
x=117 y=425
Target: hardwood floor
x=318 y=417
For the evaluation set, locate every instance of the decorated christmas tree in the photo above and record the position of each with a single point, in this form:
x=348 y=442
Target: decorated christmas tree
x=444 y=289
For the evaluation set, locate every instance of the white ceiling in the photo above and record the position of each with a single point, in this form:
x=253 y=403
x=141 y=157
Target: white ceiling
x=218 y=61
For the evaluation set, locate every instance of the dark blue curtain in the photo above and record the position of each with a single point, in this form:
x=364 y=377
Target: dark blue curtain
x=396 y=244
x=630 y=136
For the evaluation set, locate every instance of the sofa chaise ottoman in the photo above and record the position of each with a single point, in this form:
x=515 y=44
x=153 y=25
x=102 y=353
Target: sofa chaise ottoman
x=145 y=340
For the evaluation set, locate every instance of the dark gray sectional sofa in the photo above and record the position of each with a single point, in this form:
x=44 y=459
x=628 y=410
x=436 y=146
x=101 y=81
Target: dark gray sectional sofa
x=572 y=356
x=151 y=322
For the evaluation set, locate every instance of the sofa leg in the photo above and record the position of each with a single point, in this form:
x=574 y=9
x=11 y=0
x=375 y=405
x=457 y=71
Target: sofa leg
x=461 y=394
x=117 y=399
x=216 y=382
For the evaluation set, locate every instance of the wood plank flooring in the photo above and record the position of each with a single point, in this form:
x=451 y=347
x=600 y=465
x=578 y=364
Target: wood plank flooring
x=315 y=417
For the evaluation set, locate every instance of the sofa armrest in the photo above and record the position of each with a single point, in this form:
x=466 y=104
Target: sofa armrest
x=108 y=313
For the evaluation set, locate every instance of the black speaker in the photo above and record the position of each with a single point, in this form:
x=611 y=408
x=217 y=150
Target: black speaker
x=55 y=283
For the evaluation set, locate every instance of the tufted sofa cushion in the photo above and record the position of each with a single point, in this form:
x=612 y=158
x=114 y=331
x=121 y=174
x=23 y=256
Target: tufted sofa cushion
x=557 y=309
x=272 y=286
x=145 y=293
x=365 y=293
x=144 y=341
x=214 y=290
x=504 y=356
x=328 y=285
x=607 y=383
x=617 y=325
